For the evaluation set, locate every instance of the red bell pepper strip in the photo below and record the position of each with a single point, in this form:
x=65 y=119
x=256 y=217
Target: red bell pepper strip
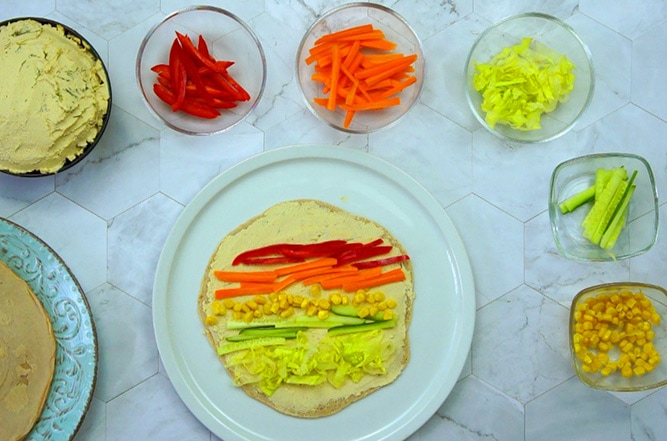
x=362 y=253
x=190 y=48
x=272 y=260
x=192 y=107
x=202 y=47
x=193 y=75
x=178 y=75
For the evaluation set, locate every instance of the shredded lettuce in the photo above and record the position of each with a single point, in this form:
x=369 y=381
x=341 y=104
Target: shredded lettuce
x=521 y=83
x=336 y=360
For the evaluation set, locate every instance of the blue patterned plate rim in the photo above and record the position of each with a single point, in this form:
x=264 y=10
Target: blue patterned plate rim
x=76 y=339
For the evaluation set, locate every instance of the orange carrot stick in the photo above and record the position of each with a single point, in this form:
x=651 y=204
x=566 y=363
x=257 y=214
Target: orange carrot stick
x=395 y=65
x=316 y=263
x=338 y=282
x=349 y=115
x=225 y=293
x=335 y=73
x=245 y=276
x=373 y=105
x=344 y=33
x=398 y=87
x=382 y=44
x=391 y=276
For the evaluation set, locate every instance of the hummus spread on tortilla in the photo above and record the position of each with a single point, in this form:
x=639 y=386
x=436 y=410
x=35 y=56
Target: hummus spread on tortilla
x=54 y=95
x=27 y=356
x=317 y=373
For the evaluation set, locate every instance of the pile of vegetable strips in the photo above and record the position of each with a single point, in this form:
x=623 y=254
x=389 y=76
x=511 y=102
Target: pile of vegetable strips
x=334 y=264
x=523 y=82
x=195 y=82
x=359 y=71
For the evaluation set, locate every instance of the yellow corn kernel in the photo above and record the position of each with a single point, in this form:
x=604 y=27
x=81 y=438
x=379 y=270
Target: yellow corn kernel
x=639 y=370
x=229 y=303
x=373 y=310
x=211 y=320
x=312 y=310
x=287 y=312
x=251 y=304
x=275 y=308
x=305 y=304
x=315 y=290
x=379 y=296
x=237 y=307
x=391 y=303
x=323 y=314
x=336 y=299
x=364 y=312
x=359 y=297
x=238 y=315
x=218 y=308
x=257 y=313
x=248 y=316
x=345 y=300
x=324 y=304
x=626 y=371
x=388 y=314
x=260 y=300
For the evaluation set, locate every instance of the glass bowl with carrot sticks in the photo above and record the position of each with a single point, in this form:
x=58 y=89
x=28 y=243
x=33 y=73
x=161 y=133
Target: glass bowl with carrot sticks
x=201 y=70
x=360 y=67
x=529 y=78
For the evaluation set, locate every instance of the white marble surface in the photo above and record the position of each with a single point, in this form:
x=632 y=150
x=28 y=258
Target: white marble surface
x=109 y=216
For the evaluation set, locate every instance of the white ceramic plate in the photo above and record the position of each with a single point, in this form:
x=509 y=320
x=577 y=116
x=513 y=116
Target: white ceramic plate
x=443 y=315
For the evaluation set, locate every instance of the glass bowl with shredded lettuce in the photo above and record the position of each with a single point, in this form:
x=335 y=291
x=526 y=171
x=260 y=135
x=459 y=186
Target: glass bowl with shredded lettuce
x=529 y=78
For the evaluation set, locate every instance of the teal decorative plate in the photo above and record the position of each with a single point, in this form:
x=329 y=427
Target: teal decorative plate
x=76 y=341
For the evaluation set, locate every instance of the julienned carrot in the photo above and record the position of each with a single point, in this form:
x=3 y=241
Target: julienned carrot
x=224 y=293
x=344 y=33
x=338 y=282
x=245 y=276
x=317 y=263
x=391 y=276
x=378 y=104
x=342 y=57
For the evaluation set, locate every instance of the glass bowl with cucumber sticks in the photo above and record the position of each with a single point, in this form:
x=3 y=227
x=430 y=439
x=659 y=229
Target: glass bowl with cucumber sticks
x=603 y=206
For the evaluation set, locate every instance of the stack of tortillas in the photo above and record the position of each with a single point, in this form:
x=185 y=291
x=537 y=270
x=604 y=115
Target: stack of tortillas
x=27 y=356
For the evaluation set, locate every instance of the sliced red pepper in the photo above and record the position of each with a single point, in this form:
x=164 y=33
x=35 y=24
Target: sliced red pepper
x=192 y=50
x=178 y=75
x=192 y=107
x=193 y=75
x=362 y=253
x=381 y=262
x=202 y=47
x=272 y=260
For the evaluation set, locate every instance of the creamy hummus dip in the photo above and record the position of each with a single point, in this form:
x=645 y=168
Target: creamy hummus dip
x=54 y=95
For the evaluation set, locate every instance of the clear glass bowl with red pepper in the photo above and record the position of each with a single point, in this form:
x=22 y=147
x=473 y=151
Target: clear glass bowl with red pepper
x=201 y=70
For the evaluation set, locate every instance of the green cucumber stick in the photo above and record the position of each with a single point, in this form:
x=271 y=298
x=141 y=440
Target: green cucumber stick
x=596 y=216
x=576 y=200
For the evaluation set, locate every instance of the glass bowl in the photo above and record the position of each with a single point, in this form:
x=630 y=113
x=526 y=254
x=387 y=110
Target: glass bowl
x=550 y=37
x=616 y=334
x=395 y=29
x=87 y=50
x=577 y=174
x=228 y=38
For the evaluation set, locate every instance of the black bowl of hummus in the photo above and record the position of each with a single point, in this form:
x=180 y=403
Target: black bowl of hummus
x=55 y=97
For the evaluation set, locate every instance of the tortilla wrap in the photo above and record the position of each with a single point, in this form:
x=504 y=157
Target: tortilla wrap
x=27 y=356
x=310 y=221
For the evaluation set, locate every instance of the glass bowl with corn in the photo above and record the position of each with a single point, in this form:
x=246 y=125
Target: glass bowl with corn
x=617 y=336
